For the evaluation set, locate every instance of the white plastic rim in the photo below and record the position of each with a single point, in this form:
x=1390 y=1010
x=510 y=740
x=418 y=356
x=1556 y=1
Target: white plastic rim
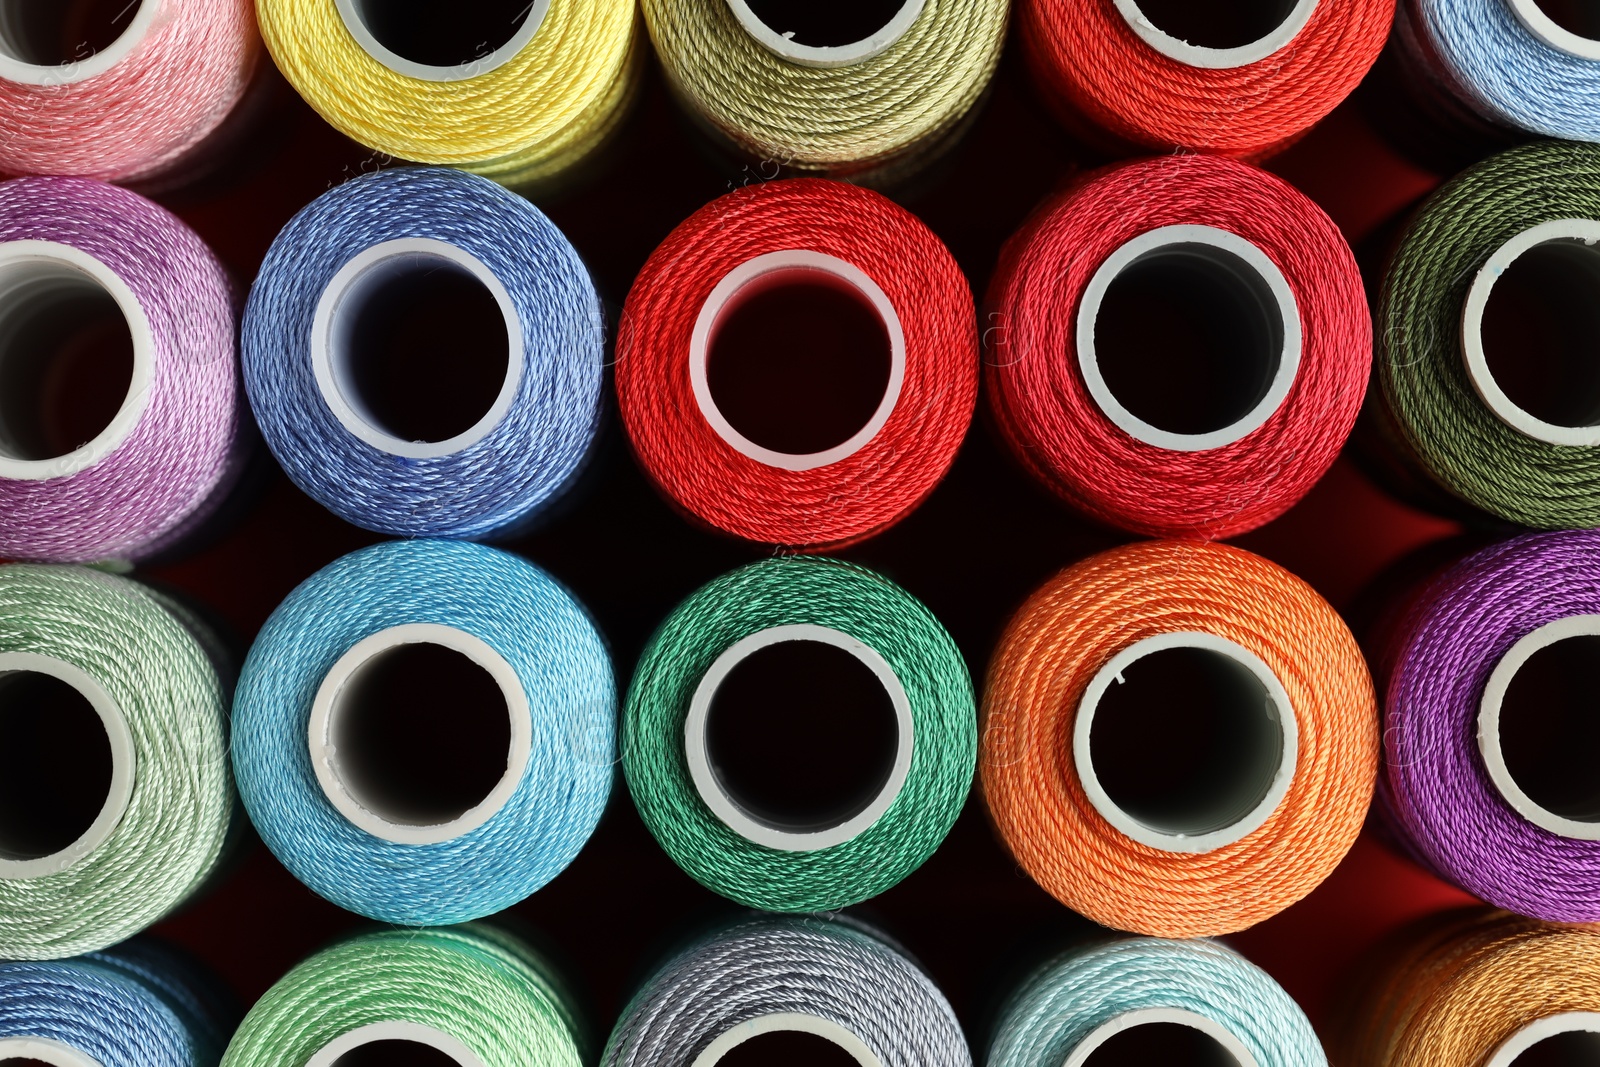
x=793 y=261
x=844 y=55
x=14 y=68
x=1194 y=55
x=353 y=14
x=727 y=808
x=1278 y=710
x=1128 y=1020
x=1546 y=29
x=332 y=326
x=30 y=270
x=124 y=764
x=45 y=1050
x=342 y=684
x=328 y=1055
x=1230 y=249
x=1585 y=230
x=1494 y=694
x=1540 y=1029
x=791 y=1022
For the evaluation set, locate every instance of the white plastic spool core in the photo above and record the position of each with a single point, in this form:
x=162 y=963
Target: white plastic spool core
x=44 y=1050
x=124 y=762
x=329 y=1055
x=354 y=290
x=778 y=37
x=714 y=792
x=1230 y=1050
x=776 y=269
x=1581 y=821
x=1262 y=729
x=1584 y=45
x=1574 y=1041
x=30 y=42
x=47 y=291
x=1265 y=310
x=1291 y=18
x=342 y=699
x=1575 y=240
x=791 y=1022
x=364 y=19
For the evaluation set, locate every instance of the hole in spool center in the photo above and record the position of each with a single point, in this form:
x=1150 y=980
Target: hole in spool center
x=395 y=1053
x=825 y=23
x=1188 y=742
x=48 y=33
x=420 y=348
x=1549 y=732
x=443 y=35
x=18 y=1061
x=421 y=735
x=787 y=1048
x=1575 y=1048
x=801 y=735
x=58 y=777
x=1189 y=338
x=66 y=360
x=1217 y=23
x=1581 y=17
x=1539 y=328
x=798 y=361
x=1161 y=1042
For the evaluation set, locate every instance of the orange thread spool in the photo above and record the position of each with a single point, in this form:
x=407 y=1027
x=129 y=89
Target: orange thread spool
x=1204 y=822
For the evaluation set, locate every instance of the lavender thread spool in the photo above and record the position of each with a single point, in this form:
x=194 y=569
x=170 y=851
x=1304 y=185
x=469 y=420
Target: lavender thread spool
x=98 y=287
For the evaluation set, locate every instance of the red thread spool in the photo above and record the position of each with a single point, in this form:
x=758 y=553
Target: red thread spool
x=797 y=363
x=1241 y=78
x=1179 y=346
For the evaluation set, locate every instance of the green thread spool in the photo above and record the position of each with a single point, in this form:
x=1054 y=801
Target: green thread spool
x=476 y=994
x=800 y=734
x=117 y=801
x=1486 y=331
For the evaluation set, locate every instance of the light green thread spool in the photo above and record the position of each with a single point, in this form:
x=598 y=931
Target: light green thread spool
x=796 y=864
x=103 y=833
x=473 y=992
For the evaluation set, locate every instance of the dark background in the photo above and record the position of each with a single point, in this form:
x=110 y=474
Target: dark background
x=980 y=544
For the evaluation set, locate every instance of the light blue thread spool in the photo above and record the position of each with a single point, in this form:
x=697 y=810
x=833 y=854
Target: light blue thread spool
x=335 y=270
x=1083 y=1007
x=312 y=726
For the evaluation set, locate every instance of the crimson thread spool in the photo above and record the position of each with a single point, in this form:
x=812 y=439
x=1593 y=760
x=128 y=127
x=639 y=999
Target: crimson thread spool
x=1180 y=346
x=1237 y=79
x=796 y=363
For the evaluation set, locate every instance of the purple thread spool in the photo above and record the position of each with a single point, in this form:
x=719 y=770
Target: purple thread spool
x=88 y=272
x=1492 y=729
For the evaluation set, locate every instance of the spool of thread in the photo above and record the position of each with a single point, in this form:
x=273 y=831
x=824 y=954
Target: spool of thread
x=829 y=89
x=1477 y=987
x=1488 y=726
x=424 y=731
x=124 y=98
x=787 y=987
x=425 y=354
x=1178 y=739
x=117 y=799
x=139 y=1005
x=1484 y=326
x=471 y=996
x=119 y=402
x=1242 y=80
x=800 y=735
x=1181 y=346
x=807 y=384
x=1149 y=1000
x=513 y=90
x=1482 y=66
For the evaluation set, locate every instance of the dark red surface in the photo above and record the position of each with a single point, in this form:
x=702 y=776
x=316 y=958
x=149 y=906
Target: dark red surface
x=984 y=540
